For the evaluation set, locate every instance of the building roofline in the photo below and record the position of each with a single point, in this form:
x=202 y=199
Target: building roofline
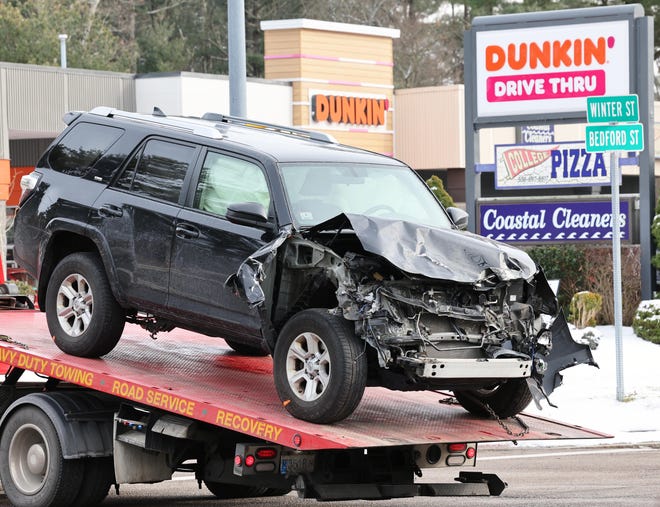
x=329 y=26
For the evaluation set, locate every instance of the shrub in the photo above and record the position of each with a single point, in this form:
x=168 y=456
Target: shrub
x=655 y=232
x=584 y=309
x=438 y=188
x=564 y=263
x=24 y=288
x=646 y=323
x=600 y=279
x=589 y=267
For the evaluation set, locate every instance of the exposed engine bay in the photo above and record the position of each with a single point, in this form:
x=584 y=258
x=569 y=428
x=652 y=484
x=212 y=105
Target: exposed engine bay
x=439 y=308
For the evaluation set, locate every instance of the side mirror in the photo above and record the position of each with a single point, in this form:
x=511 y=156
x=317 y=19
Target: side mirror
x=459 y=217
x=247 y=213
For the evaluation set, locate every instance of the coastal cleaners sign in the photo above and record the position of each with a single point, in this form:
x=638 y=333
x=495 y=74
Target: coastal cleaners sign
x=549 y=165
x=534 y=134
x=550 y=69
x=541 y=222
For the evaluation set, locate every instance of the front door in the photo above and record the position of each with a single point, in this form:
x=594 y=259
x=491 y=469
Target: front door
x=208 y=248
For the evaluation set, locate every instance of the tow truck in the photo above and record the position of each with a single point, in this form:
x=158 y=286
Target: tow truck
x=187 y=402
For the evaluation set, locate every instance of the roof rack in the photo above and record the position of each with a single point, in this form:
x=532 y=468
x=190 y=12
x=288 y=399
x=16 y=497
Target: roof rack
x=310 y=134
x=187 y=125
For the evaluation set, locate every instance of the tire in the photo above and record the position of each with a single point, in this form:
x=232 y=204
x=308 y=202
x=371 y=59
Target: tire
x=83 y=316
x=32 y=469
x=98 y=476
x=320 y=367
x=506 y=399
x=227 y=491
x=246 y=350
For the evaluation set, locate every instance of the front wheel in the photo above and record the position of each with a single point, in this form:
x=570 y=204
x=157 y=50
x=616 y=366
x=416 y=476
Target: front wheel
x=32 y=469
x=506 y=399
x=320 y=366
x=83 y=316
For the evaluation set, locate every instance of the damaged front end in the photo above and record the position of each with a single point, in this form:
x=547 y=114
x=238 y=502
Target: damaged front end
x=439 y=308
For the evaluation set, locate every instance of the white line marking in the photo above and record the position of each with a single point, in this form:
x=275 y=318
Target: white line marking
x=567 y=453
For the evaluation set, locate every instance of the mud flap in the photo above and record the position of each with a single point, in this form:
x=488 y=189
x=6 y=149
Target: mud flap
x=565 y=353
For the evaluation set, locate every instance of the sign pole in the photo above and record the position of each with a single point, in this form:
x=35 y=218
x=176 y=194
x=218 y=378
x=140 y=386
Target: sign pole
x=616 y=267
x=614 y=138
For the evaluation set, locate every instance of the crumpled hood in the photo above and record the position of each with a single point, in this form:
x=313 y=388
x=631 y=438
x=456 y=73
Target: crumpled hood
x=444 y=254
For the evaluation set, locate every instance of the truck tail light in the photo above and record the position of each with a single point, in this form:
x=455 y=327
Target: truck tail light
x=251 y=459
x=266 y=453
x=457 y=447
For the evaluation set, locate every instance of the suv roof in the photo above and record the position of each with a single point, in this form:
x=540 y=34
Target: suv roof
x=286 y=144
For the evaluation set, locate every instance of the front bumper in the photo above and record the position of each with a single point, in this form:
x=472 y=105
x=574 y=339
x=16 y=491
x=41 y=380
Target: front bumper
x=483 y=368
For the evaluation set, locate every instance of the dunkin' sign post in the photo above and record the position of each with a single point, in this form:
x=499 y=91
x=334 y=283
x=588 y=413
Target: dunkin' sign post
x=550 y=69
x=539 y=68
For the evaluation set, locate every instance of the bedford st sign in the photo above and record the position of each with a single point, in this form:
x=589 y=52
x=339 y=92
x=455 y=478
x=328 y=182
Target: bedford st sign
x=624 y=137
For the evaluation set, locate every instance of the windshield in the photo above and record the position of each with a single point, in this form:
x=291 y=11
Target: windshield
x=319 y=191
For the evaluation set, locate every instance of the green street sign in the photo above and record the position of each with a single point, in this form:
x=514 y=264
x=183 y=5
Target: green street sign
x=615 y=108
x=624 y=137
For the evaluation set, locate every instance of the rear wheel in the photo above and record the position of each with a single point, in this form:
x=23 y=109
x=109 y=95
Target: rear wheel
x=32 y=469
x=320 y=366
x=506 y=399
x=83 y=316
x=246 y=350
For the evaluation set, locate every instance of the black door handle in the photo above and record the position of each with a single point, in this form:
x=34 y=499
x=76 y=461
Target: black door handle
x=186 y=231
x=108 y=210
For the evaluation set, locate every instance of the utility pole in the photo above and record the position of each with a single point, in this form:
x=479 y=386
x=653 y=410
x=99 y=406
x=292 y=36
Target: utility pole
x=237 y=79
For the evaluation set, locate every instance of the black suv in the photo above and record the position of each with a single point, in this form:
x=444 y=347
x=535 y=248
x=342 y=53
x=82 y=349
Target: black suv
x=339 y=262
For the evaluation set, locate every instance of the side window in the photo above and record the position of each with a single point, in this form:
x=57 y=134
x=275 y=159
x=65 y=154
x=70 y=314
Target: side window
x=157 y=170
x=226 y=180
x=81 y=147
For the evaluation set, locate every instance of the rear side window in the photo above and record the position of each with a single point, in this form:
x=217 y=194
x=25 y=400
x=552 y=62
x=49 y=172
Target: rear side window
x=77 y=152
x=158 y=170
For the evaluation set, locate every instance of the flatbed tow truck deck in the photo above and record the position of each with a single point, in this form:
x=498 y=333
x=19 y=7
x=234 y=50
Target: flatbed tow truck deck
x=184 y=379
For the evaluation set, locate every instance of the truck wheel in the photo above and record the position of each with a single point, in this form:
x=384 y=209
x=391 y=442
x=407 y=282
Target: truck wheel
x=99 y=475
x=506 y=399
x=83 y=316
x=32 y=469
x=246 y=350
x=320 y=366
x=228 y=491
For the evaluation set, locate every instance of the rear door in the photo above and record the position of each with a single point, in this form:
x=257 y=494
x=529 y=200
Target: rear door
x=136 y=217
x=208 y=248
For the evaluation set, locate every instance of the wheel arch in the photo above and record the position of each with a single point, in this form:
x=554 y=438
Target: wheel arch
x=77 y=418
x=67 y=237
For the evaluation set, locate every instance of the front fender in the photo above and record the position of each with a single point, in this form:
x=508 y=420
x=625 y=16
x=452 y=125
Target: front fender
x=565 y=353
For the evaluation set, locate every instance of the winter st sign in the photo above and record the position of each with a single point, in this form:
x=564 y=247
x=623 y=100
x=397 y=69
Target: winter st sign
x=549 y=165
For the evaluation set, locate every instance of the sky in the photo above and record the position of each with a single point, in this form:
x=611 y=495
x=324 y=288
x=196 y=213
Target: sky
x=588 y=396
